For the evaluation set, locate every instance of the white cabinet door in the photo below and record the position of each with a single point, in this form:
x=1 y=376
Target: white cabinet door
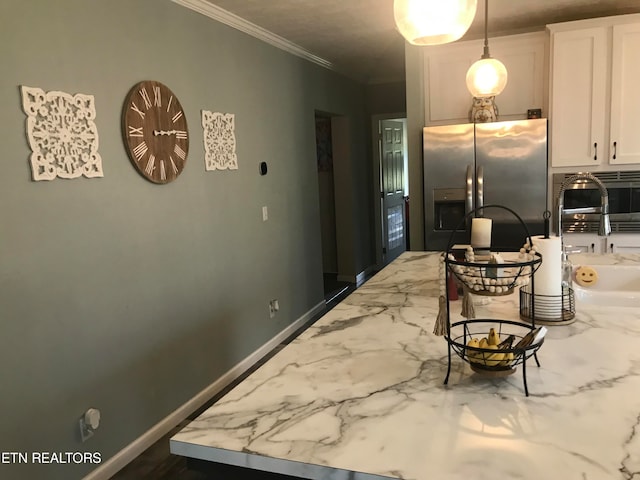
x=592 y=243
x=578 y=97
x=624 y=143
x=583 y=243
x=447 y=100
x=623 y=243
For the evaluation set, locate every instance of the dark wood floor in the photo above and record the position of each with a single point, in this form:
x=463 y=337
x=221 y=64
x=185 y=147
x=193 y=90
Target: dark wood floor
x=157 y=463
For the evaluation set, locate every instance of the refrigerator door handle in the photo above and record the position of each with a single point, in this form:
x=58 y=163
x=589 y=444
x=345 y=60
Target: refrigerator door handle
x=480 y=189
x=468 y=197
x=469 y=190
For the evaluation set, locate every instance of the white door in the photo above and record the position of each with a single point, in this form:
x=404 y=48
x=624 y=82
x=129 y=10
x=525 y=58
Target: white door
x=392 y=183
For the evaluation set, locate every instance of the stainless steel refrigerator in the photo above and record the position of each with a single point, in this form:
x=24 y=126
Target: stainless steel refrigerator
x=470 y=165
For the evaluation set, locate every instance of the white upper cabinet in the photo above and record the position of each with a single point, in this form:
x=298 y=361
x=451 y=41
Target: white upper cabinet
x=578 y=87
x=625 y=95
x=593 y=92
x=447 y=99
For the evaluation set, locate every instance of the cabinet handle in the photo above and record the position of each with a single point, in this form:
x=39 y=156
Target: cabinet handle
x=595 y=146
x=611 y=248
x=593 y=247
x=615 y=149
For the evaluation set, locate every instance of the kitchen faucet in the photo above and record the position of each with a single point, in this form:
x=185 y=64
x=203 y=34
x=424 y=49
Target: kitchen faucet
x=604 y=228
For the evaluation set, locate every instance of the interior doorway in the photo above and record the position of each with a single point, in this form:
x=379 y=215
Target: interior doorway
x=334 y=287
x=392 y=188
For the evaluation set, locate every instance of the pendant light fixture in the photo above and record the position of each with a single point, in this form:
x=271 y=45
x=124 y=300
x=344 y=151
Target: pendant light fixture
x=433 y=22
x=487 y=77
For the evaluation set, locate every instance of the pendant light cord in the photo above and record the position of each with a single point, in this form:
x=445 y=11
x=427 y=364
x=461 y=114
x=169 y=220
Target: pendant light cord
x=485 y=53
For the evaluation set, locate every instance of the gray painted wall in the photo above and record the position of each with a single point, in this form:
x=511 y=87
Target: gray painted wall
x=386 y=97
x=415 y=122
x=132 y=297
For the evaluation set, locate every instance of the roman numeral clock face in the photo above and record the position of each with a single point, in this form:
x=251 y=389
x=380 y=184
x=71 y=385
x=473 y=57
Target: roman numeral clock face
x=155 y=131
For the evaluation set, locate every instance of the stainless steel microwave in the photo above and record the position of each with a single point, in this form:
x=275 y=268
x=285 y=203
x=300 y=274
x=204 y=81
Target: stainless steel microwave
x=624 y=202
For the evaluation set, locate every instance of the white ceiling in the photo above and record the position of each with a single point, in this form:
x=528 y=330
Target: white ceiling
x=359 y=38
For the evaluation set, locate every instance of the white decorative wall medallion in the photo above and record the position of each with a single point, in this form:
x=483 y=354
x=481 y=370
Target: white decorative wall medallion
x=219 y=141
x=62 y=134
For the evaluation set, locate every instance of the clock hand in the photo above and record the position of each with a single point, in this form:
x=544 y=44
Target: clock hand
x=165 y=132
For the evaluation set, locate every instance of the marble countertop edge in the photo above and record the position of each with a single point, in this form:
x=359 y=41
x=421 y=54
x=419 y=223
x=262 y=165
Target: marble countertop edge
x=264 y=463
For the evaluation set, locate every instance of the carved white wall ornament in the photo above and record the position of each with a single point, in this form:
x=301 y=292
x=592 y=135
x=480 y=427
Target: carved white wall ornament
x=219 y=141
x=62 y=134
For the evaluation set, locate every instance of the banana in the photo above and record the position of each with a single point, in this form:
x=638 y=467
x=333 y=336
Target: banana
x=493 y=359
x=506 y=343
x=488 y=357
x=508 y=359
x=494 y=338
x=472 y=355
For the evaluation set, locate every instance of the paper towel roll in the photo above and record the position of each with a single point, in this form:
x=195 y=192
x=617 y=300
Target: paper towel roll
x=548 y=277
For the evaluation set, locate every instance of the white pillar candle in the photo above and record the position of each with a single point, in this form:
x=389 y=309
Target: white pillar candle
x=481 y=232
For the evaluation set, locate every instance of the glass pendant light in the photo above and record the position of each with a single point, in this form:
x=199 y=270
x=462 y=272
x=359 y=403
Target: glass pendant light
x=433 y=22
x=487 y=77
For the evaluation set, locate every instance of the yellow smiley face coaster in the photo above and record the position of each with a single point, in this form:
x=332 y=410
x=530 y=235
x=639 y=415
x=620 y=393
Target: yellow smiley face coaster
x=586 y=276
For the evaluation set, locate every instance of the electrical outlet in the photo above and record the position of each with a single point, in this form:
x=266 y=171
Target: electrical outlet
x=89 y=423
x=265 y=214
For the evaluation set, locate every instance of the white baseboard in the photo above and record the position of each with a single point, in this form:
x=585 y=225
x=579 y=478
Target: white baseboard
x=121 y=459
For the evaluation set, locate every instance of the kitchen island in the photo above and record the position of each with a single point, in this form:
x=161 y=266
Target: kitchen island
x=360 y=395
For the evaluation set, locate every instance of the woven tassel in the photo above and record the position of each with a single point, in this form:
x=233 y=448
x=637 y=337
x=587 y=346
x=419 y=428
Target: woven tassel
x=440 y=327
x=468 y=311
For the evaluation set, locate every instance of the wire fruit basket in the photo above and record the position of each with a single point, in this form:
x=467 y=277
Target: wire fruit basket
x=513 y=342
x=484 y=278
x=516 y=343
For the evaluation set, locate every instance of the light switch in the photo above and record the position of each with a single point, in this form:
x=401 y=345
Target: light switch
x=265 y=214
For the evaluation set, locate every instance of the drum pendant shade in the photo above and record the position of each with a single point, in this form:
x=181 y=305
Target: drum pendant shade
x=433 y=22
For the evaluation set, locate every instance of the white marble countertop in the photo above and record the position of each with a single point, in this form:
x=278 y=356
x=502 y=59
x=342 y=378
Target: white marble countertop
x=362 y=391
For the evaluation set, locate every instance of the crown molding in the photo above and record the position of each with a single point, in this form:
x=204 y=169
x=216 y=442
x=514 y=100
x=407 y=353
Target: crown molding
x=223 y=16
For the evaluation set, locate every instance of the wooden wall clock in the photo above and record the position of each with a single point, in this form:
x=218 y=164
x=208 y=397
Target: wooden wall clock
x=155 y=131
